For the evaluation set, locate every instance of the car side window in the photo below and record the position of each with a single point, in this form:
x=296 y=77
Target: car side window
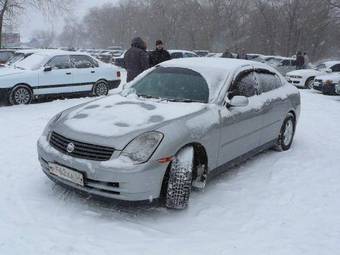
x=60 y=62
x=189 y=55
x=244 y=85
x=268 y=81
x=81 y=61
x=176 y=55
x=336 y=68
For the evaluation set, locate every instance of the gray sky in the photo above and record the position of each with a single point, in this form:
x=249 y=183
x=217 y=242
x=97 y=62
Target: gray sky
x=33 y=20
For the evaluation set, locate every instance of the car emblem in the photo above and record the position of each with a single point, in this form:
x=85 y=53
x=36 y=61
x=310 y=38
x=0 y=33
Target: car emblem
x=70 y=147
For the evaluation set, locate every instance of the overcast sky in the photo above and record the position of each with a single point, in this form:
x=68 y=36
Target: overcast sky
x=33 y=20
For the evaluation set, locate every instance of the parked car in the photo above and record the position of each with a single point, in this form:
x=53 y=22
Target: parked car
x=182 y=54
x=5 y=55
x=327 y=83
x=174 y=126
x=49 y=73
x=305 y=78
x=283 y=65
x=20 y=55
x=202 y=53
x=337 y=89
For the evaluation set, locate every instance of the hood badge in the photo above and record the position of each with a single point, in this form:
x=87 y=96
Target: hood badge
x=70 y=148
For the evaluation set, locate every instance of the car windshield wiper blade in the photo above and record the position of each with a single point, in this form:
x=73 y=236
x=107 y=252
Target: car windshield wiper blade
x=184 y=100
x=147 y=96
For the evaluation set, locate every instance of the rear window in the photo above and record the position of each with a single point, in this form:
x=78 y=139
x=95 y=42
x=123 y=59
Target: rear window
x=173 y=84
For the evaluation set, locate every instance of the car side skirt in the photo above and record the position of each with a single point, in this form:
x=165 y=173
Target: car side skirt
x=237 y=161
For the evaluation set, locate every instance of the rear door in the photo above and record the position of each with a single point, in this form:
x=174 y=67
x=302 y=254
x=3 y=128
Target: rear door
x=275 y=103
x=57 y=80
x=241 y=127
x=86 y=72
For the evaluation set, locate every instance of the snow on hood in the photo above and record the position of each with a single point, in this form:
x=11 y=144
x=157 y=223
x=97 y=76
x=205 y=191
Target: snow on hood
x=116 y=116
x=334 y=77
x=9 y=71
x=305 y=72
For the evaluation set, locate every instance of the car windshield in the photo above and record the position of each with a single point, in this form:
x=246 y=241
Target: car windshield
x=172 y=84
x=17 y=57
x=274 y=61
x=321 y=66
x=32 y=62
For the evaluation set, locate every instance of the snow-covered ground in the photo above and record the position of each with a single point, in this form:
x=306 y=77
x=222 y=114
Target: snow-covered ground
x=276 y=203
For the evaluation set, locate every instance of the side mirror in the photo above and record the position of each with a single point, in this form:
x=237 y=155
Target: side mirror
x=239 y=101
x=329 y=70
x=47 y=69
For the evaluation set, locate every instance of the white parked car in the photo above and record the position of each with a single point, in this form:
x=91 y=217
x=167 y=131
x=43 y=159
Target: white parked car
x=51 y=73
x=182 y=54
x=327 y=83
x=305 y=78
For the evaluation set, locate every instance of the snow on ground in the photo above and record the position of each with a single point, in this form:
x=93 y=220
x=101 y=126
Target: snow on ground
x=276 y=203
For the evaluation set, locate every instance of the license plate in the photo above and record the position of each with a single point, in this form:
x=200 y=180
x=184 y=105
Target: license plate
x=66 y=174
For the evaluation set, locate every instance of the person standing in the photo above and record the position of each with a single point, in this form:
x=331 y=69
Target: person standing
x=136 y=59
x=159 y=55
x=306 y=60
x=300 y=61
x=227 y=54
x=242 y=55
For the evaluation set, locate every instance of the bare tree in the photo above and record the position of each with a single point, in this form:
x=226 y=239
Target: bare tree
x=8 y=8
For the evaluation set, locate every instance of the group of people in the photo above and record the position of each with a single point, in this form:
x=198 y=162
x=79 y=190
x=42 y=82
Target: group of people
x=137 y=59
x=302 y=61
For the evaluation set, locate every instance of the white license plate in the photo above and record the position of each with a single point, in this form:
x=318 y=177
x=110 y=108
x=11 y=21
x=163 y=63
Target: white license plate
x=66 y=174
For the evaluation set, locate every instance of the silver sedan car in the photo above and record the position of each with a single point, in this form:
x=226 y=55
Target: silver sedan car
x=171 y=129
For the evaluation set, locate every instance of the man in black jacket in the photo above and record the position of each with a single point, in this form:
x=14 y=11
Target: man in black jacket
x=136 y=59
x=159 y=55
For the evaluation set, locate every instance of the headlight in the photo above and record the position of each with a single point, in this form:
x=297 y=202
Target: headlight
x=50 y=123
x=140 y=149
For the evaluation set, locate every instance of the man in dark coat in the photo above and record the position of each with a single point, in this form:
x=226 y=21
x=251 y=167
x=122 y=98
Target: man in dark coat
x=242 y=55
x=300 y=61
x=159 y=55
x=136 y=59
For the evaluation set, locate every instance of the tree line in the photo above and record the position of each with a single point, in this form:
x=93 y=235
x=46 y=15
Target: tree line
x=279 y=27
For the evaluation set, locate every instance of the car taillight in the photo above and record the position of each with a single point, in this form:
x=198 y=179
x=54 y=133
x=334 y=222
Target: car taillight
x=118 y=74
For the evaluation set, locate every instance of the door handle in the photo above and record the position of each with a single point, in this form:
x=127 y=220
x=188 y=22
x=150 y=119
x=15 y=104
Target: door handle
x=93 y=71
x=69 y=73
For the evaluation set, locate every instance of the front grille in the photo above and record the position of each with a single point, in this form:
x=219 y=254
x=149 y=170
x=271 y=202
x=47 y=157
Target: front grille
x=320 y=81
x=81 y=150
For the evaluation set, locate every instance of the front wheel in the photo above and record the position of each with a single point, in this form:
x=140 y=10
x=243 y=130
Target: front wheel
x=287 y=133
x=309 y=83
x=101 y=88
x=20 y=95
x=180 y=179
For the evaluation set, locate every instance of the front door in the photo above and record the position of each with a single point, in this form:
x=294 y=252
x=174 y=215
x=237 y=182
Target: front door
x=241 y=127
x=57 y=80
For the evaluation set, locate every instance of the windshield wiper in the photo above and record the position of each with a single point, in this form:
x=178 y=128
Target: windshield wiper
x=184 y=100
x=147 y=96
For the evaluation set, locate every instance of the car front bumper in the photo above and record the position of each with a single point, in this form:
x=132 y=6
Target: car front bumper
x=317 y=85
x=106 y=179
x=296 y=82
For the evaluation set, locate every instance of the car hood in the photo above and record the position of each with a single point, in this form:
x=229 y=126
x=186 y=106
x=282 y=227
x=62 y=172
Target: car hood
x=6 y=71
x=305 y=72
x=116 y=120
x=335 y=78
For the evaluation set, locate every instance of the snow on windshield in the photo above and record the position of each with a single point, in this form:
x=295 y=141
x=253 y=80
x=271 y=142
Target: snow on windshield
x=32 y=62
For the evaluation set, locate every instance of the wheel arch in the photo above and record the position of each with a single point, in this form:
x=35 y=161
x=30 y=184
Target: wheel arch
x=200 y=157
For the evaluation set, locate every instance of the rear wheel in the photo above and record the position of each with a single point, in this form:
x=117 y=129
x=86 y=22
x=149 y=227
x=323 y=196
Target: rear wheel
x=20 y=95
x=287 y=133
x=101 y=88
x=180 y=179
x=309 y=83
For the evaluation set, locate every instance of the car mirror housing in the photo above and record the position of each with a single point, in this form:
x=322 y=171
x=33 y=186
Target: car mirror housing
x=239 y=101
x=47 y=69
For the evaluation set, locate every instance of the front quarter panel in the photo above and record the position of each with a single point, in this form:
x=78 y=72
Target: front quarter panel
x=200 y=128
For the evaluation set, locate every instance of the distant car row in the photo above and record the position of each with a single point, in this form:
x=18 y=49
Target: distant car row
x=324 y=77
x=32 y=74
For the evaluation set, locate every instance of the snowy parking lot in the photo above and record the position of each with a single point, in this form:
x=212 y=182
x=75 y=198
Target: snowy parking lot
x=276 y=203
